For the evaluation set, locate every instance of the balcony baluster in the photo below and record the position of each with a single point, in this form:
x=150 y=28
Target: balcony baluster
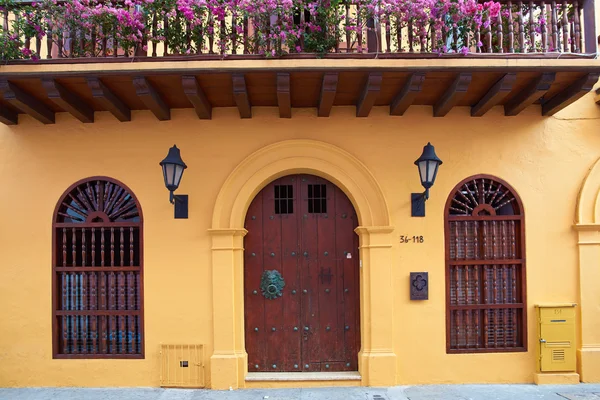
x=523 y=26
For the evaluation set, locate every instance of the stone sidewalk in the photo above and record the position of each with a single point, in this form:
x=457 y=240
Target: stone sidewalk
x=425 y=392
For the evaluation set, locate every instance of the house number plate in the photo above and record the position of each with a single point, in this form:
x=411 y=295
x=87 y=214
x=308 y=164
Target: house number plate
x=412 y=239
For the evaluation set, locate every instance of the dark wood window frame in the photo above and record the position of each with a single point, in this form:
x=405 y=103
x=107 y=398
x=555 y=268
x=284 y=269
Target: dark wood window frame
x=97 y=272
x=317 y=198
x=486 y=297
x=284 y=199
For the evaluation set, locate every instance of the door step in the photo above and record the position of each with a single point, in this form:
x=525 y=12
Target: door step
x=302 y=376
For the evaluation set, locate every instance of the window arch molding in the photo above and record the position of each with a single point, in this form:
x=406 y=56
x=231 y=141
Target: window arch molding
x=97 y=271
x=484 y=229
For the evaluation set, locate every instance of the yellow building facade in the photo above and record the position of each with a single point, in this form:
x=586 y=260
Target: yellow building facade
x=193 y=268
x=525 y=124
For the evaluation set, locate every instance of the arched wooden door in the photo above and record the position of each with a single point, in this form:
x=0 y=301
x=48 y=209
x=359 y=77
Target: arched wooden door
x=301 y=278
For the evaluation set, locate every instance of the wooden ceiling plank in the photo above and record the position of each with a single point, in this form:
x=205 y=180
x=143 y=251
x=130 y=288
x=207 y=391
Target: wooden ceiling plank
x=108 y=100
x=151 y=98
x=369 y=94
x=572 y=93
x=8 y=117
x=452 y=95
x=26 y=102
x=407 y=94
x=68 y=101
x=328 y=91
x=240 y=95
x=495 y=95
x=196 y=96
x=284 y=98
x=529 y=94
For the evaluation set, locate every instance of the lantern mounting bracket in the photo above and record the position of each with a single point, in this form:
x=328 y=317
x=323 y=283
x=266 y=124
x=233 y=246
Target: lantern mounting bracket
x=180 y=201
x=417 y=201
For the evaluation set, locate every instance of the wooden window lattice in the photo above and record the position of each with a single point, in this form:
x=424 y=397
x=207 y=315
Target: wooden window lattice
x=485 y=271
x=284 y=199
x=97 y=272
x=317 y=199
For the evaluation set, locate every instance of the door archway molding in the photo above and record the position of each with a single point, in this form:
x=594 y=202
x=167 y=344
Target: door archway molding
x=587 y=225
x=377 y=360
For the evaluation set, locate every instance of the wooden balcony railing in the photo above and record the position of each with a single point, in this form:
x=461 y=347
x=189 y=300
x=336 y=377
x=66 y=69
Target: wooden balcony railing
x=358 y=29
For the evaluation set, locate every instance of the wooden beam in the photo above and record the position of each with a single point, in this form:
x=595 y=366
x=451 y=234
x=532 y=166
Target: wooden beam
x=571 y=94
x=68 y=101
x=26 y=102
x=240 y=95
x=8 y=117
x=369 y=94
x=328 y=90
x=406 y=96
x=495 y=95
x=452 y=95
x=196 y=96
x=529 y=94
x=284 y=99
x=151 y=98
x=108 y=100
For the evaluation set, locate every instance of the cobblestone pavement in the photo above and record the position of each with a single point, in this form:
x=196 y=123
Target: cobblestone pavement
x=424 y=392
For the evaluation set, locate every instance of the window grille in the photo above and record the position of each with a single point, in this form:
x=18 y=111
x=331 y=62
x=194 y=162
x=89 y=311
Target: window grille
x=97 y=272
x=485 y=269
x=317 y=199
x=284 y=199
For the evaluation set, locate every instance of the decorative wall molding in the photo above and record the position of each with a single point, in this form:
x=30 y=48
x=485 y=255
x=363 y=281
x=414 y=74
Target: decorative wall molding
x=587 y=225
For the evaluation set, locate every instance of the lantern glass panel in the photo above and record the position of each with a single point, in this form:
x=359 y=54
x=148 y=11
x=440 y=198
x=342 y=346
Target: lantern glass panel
x=168 y=172
x=178 y=174
x=431 y=171
x=423 y=171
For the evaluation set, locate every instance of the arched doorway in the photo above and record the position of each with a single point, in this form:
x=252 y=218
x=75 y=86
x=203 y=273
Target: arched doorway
x=377 y=362
x=301 y=278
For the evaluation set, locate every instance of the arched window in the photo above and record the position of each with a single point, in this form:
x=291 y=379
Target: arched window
x=485 y=268
x=97 y=272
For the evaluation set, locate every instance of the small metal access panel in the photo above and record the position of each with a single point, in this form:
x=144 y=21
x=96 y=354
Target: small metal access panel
x=557 y=337
x=182 y=365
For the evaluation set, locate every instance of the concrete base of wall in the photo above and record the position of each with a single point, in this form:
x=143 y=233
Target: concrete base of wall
x=301 y=379
x=558 y=378
x=589 y=364
x=223 y=371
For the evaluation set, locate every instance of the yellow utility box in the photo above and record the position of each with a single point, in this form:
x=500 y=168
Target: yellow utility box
x=557 y=347
x=182 y=365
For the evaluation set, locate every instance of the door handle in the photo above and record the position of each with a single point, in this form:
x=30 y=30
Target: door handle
x=542 y=340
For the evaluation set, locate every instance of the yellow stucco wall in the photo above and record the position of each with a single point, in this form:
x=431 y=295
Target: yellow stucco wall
x=544 y=159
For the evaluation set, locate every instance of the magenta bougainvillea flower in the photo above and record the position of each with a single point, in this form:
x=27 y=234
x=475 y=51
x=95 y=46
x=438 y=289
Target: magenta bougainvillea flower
x=97 y=28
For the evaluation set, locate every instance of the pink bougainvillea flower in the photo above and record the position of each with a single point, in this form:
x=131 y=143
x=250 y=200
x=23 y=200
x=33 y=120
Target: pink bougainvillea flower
x=271 y=27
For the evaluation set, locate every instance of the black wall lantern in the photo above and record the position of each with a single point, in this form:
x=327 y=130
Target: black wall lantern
x=173 y=167
x=428 y=165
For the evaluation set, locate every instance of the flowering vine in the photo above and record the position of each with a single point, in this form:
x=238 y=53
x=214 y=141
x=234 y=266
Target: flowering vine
x=101 y=28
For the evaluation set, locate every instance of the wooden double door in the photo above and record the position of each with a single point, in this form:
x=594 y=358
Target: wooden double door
x=301 y=278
